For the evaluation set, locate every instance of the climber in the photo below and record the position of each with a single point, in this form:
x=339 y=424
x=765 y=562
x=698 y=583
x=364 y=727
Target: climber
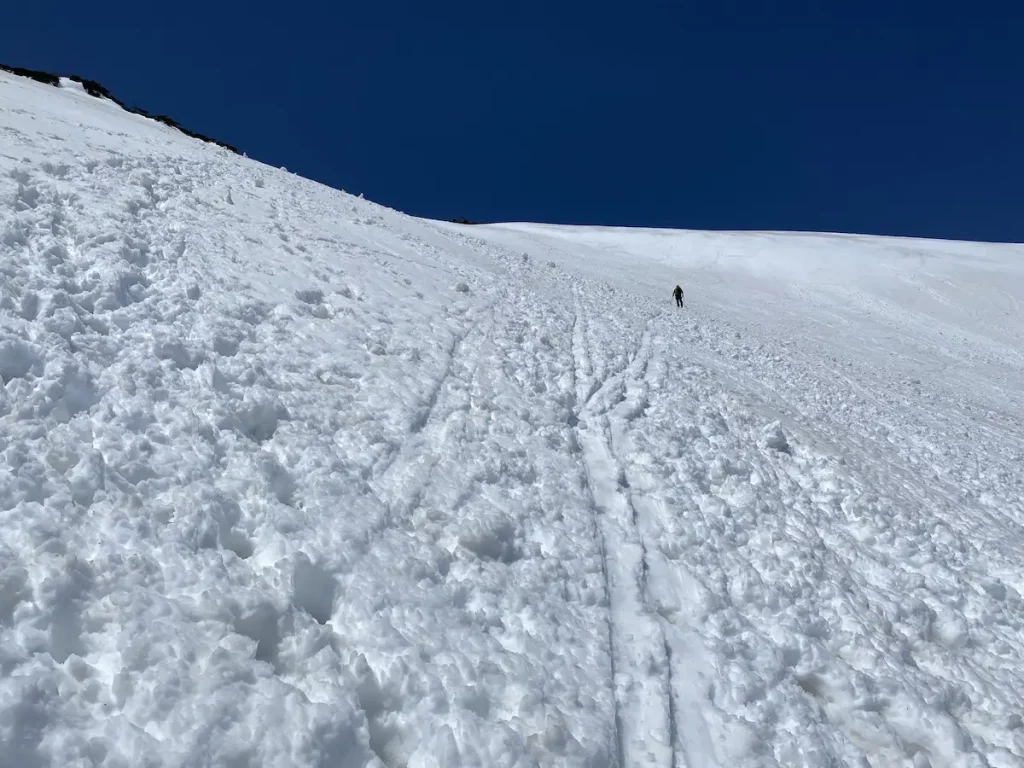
x=678 y=293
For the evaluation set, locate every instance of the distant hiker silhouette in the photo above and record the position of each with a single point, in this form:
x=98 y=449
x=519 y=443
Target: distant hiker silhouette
x=678 y=293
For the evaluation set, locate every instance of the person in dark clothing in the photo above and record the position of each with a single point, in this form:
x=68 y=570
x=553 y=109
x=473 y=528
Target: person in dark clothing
x=678 y=293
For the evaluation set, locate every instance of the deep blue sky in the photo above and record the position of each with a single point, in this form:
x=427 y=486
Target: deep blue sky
x=889 y=118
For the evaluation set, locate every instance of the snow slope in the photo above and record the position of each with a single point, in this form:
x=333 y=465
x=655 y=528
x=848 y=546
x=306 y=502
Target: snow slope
x=291 y=479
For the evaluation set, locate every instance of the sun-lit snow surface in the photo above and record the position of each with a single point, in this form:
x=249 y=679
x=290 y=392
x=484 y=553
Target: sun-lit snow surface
x=290 y=479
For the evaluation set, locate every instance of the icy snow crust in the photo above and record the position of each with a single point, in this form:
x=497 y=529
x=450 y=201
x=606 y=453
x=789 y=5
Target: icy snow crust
x=291 y=479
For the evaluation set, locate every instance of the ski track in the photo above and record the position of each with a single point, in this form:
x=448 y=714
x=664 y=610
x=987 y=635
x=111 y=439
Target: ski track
x=293 y=479
x=640 y=674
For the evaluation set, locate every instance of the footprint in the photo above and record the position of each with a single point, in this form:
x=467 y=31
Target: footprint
x=313 y=589
x=177 y=353
x=29 y=309
x=491 y=539
x=14 y=589
x=280 y=480
x=257 y=420
x=69 y=590
x=21 y=176
x=18 y=359
x=225 y=515
x=226 y=346
x=26 y=198
x=57 y=170
x=310 y=295
x=135 y=253
x=87 y=478
x=254 y=313
x=129 y=288
x=260 y=624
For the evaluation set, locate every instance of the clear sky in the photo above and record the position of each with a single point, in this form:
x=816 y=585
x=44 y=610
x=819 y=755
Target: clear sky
x=889 y=118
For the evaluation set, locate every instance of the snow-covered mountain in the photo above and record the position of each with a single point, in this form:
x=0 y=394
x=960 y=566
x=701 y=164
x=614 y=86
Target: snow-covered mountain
x=291 y=479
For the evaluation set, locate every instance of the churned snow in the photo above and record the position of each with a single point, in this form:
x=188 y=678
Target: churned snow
x=291 y=479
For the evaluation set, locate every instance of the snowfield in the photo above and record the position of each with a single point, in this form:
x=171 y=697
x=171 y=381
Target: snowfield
x=291 y=479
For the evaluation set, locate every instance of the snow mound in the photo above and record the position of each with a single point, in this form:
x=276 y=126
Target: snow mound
x=278 y=488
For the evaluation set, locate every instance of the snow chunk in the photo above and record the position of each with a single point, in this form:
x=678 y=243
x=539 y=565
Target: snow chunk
x=71 y=85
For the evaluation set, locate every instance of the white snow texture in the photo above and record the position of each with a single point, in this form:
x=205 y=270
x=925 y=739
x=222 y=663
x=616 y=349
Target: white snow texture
x=291 y=479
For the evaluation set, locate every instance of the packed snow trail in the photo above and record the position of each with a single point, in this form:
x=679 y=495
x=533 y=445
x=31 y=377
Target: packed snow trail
x=290 y=479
